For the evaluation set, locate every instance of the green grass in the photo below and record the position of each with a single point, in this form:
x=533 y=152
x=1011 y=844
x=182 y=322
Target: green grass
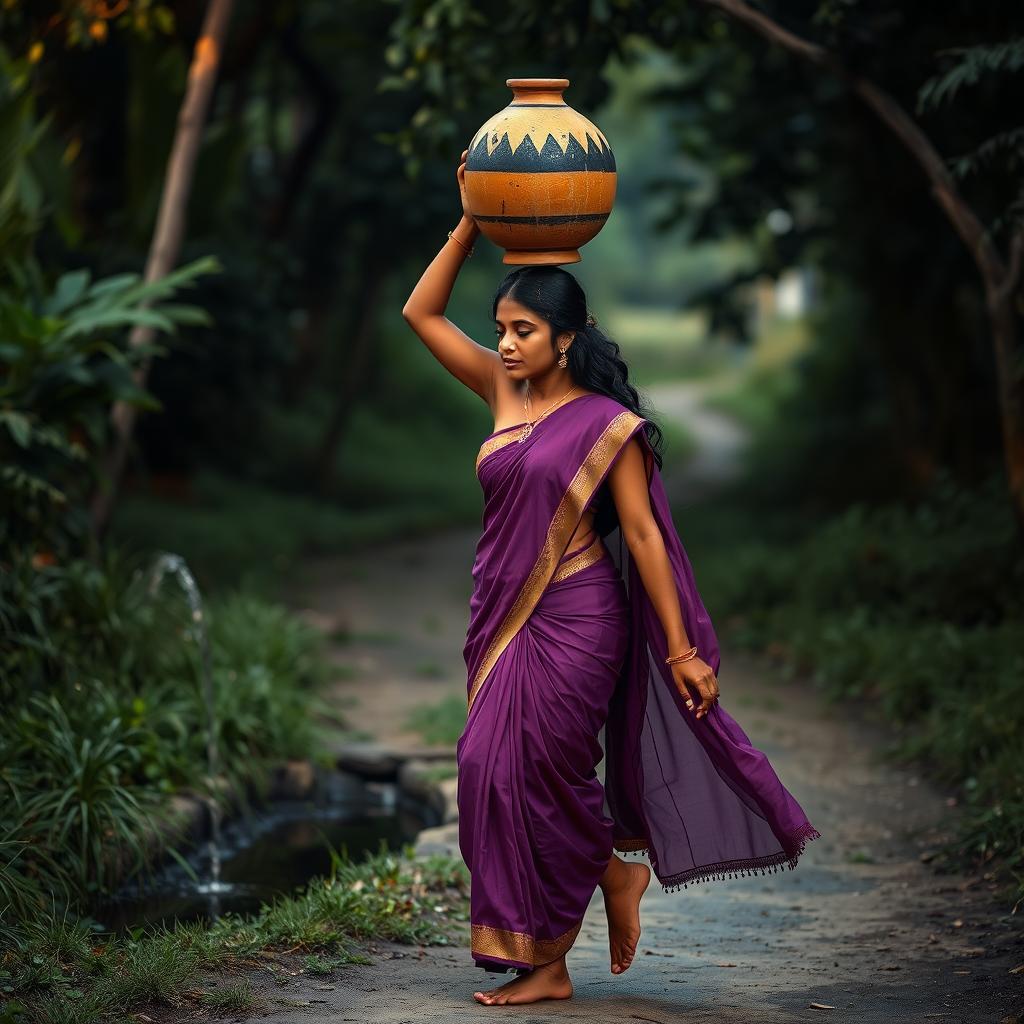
x=429 y=670
x=317 y=963
x=233 y=998
x=66 y=972
x=660 y=344
x=441 y=722
x=105 y=719
x=859 y=857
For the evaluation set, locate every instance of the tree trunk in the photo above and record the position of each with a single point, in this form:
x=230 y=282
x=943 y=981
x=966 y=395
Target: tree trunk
x=354 y=370
x=165 y=246
x=1000 y=281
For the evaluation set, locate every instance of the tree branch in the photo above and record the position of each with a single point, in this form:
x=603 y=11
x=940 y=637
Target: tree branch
x=964 y=220
x=1009 y=285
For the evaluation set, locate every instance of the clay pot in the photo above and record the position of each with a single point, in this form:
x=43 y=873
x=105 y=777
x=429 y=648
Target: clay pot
x=540 y=177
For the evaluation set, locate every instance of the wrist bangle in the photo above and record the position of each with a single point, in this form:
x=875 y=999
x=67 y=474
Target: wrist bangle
x=451 y=234
x=691 y=653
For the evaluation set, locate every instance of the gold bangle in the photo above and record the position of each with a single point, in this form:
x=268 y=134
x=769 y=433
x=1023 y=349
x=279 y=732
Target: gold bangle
x=692 y=652
x=451 y=234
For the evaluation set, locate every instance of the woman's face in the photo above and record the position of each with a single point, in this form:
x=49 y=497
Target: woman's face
x=524 y=340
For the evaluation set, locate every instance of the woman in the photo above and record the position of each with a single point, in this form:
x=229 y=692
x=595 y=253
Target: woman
x=570 y=634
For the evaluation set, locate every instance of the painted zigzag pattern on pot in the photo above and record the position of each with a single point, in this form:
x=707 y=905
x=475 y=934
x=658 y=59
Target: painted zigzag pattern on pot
x=539 y=137
x=517 y=151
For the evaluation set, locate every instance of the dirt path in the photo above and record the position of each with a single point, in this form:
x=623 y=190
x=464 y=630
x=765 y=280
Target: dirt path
x=863 y=926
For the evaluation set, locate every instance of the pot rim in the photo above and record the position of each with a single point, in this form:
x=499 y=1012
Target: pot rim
x=537 y=83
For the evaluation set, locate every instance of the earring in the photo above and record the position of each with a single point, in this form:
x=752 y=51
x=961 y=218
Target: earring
x=563 y=359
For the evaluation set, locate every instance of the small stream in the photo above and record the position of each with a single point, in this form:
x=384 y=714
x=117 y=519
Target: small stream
x=248 y=861
x=279 y=849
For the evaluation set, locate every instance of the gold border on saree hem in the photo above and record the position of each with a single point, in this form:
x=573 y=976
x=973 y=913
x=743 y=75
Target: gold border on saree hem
x=509 y=945
x=592 y=553
x=561 y=528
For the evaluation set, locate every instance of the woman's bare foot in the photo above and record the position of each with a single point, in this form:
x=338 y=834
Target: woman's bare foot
x=623 y=885
x=549 y=981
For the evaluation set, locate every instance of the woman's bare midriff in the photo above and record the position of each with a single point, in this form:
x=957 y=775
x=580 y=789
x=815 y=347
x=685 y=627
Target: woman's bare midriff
x=580 y=536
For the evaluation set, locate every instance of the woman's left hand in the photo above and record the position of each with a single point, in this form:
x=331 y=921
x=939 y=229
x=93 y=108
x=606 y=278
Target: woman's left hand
x=697 y=673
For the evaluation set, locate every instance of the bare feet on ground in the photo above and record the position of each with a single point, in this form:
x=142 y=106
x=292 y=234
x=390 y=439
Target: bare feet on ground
x=549 y=981
x=622 y=895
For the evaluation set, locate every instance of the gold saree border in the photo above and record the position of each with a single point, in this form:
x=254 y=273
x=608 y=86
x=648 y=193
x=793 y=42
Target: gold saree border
x=521 y=946
x=588 y=556
x=561 y=528
x=492 y=444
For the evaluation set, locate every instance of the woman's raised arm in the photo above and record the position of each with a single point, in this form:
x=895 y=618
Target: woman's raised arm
x=459 y=354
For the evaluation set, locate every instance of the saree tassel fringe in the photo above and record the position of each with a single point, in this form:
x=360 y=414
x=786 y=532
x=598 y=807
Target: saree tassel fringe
x=760 y=866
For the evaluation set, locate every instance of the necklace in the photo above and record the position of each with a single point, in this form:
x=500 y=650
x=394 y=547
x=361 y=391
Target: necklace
x=531 y=423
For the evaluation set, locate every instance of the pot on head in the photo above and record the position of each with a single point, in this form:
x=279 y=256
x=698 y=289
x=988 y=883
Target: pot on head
x=540 y=177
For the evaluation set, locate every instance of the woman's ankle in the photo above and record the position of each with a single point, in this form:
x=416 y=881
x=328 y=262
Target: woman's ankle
x=557 y=966
x=614 y=875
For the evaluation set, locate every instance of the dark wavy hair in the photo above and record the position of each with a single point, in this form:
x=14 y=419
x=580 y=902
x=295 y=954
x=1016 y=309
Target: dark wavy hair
x=595 y=361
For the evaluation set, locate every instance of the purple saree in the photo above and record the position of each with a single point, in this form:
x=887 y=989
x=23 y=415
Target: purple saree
x=562 y=644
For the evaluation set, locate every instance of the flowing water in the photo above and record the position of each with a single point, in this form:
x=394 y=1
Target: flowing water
x=168 y=563
x=273 y=852
x=251 y=860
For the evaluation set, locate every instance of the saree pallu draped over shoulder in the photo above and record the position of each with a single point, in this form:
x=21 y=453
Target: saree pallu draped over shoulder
x=561 y=645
